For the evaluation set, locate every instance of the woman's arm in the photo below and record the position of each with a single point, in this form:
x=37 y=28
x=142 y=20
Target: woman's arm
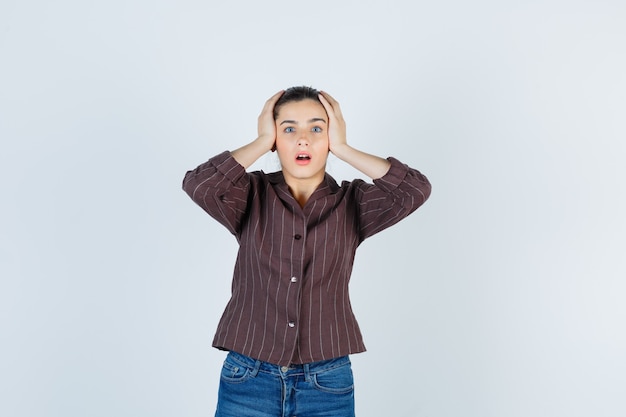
x=371 y=165
x=248 y=154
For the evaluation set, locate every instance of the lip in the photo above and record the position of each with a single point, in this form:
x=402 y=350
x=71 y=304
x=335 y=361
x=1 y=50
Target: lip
x=303 y=161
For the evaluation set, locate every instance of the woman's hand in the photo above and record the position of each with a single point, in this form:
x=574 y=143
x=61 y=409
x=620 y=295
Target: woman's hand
x=371 y=165
x=336 y=124
x=266 y=141
x=266 y=123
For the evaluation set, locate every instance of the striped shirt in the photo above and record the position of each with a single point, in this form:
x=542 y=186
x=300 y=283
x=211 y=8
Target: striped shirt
x=290 y=301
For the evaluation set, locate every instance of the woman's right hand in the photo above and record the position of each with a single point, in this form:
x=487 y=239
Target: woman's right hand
x=266 y=123
x=266 y=141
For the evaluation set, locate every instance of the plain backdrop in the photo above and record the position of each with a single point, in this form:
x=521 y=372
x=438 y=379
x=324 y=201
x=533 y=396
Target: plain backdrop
x=503 y=296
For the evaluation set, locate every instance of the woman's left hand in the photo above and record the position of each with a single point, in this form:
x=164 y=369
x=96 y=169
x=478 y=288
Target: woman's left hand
x=371 y=165
x=336 y=124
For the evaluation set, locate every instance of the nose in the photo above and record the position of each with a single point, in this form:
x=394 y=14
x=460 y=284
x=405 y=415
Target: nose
x=303 y=140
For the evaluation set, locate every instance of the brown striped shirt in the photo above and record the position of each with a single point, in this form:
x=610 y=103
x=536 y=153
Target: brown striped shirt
x=290 y=301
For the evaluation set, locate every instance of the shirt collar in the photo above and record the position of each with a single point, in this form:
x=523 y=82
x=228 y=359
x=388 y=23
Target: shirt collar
x=327 y=186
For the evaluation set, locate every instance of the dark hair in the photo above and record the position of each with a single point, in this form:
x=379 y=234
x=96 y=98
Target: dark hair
x=296 y=94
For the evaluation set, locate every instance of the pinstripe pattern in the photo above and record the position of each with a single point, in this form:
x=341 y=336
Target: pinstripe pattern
x=290 y=301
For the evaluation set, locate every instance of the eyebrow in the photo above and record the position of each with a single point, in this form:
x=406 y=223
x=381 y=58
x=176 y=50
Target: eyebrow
x=313 y=120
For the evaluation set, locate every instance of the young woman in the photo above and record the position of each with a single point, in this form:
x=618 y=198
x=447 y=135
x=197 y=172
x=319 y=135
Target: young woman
x=289 y=326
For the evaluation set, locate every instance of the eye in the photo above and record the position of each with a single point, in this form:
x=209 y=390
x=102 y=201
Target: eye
x=317 y=129
x=289 y=130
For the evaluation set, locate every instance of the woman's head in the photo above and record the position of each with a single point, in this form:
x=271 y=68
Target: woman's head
x=301 y=134
x=294 y=94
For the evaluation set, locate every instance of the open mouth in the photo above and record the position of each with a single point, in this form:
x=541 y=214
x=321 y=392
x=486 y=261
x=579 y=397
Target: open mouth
x=303 y=158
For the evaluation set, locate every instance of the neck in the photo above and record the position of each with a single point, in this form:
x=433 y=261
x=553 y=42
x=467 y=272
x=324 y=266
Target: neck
x=302 y=189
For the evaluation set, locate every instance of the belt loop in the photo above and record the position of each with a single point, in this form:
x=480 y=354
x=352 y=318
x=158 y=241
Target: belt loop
x=255 y=370
x=307 y=372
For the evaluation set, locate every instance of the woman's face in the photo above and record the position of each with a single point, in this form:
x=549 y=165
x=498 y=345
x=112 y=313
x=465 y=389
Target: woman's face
x=302 y=139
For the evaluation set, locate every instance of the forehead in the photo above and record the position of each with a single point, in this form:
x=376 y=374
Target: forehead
x=302 y=110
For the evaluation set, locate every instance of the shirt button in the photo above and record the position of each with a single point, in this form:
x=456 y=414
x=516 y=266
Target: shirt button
x=297 y=237
x=294 y=279
x=292 y=324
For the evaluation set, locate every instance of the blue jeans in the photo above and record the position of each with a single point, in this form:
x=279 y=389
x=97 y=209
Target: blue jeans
x=251 y=388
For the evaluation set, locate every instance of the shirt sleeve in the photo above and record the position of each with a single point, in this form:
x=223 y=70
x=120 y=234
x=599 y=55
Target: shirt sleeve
x=220 y=187
x=391 y=198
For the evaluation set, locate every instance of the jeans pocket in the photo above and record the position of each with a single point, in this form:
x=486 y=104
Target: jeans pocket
x=234 y=372
x=334 y=381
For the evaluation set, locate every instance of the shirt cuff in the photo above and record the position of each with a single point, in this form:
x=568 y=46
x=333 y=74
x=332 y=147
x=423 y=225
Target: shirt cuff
x=228 y=166
x=394 y=177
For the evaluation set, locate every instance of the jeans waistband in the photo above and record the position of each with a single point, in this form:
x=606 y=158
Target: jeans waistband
x=294 y=369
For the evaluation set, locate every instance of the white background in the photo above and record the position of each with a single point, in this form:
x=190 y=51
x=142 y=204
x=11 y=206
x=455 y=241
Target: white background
x=503 y=296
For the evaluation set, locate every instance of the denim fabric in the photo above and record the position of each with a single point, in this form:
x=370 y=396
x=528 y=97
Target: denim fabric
x=251 y=388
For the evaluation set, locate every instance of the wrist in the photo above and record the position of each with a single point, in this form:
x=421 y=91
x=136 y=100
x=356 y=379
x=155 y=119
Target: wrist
x=267 y=142
x=341 y=150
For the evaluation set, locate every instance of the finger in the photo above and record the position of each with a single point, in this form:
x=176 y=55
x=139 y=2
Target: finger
x=326 y=104
x=271 y=102
x=334 y=104
x=327 y=96
x=333 y=110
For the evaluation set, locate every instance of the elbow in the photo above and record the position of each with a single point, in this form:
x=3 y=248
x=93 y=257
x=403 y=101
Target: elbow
x=187 y=181
x=426 y=190
x=421 y=188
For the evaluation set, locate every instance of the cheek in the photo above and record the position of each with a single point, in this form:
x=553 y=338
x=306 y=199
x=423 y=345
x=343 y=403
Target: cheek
x=282 y=145
x=280 y=138
x=324 y=142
